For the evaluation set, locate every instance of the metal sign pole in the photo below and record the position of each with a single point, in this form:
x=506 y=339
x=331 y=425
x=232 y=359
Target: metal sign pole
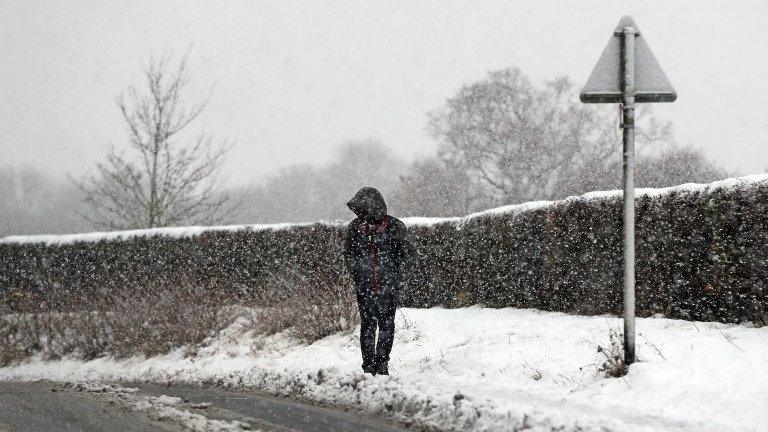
x=628 y=124
x=628 y=73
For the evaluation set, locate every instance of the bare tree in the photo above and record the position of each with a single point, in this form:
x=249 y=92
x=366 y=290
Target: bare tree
x=527 y=143
x=511 y=136
x=302 y=193
x=437 y=188
x=164 y=181
x=677 y=165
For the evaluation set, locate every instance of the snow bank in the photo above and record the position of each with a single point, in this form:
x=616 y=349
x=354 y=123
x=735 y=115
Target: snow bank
x=191 y=231
x=730 y=183
x=161 y=408
x=170 y=232
x=482 y=369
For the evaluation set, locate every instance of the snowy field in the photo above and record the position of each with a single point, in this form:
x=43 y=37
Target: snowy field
x=487 y=369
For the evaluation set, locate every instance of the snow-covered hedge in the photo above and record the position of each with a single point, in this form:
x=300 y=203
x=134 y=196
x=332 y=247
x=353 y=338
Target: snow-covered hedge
x=701 y=251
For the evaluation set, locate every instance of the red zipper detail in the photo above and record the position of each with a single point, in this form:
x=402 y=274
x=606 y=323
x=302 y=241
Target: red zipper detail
x=374 y=251
x=374 y=264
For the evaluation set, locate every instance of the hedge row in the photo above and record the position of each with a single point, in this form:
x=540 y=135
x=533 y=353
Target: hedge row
x=701 y=254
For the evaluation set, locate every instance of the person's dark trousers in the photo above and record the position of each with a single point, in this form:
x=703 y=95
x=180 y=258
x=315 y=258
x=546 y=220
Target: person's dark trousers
x=376 y=311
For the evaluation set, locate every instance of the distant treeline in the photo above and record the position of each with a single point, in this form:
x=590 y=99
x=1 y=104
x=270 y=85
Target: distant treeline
x=500 y=140
x=701 y=255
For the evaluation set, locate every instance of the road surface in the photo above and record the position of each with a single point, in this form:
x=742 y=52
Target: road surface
x=48 y=406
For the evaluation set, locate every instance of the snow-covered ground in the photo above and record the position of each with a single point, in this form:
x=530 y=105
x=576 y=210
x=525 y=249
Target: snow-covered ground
x=488 y=369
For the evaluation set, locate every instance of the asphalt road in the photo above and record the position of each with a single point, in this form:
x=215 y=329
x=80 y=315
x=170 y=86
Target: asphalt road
x=47 y=406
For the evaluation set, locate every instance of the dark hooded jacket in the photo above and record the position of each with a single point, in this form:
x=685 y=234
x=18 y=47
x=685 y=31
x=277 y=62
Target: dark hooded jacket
x=376 y=249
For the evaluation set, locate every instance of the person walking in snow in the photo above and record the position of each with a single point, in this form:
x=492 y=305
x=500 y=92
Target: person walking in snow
x=376 y=252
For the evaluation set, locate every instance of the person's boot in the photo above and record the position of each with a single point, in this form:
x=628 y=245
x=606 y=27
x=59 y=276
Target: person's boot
x=382 y=368
x=370 y=368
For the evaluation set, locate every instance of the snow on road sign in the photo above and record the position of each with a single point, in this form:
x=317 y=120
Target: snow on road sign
x=604 y=84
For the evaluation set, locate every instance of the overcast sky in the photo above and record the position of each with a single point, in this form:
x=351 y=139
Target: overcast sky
x=291 y=80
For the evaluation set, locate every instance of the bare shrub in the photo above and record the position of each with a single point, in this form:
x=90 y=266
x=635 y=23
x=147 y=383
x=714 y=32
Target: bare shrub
x=313 y=302
x=612 y=356
x=15 y=345
x=178 y=311
x=270 y=320
x=172 y=314
x=51 y=335
x=153 y=320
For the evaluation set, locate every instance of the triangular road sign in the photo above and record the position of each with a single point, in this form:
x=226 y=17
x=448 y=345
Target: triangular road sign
x=604 y=84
